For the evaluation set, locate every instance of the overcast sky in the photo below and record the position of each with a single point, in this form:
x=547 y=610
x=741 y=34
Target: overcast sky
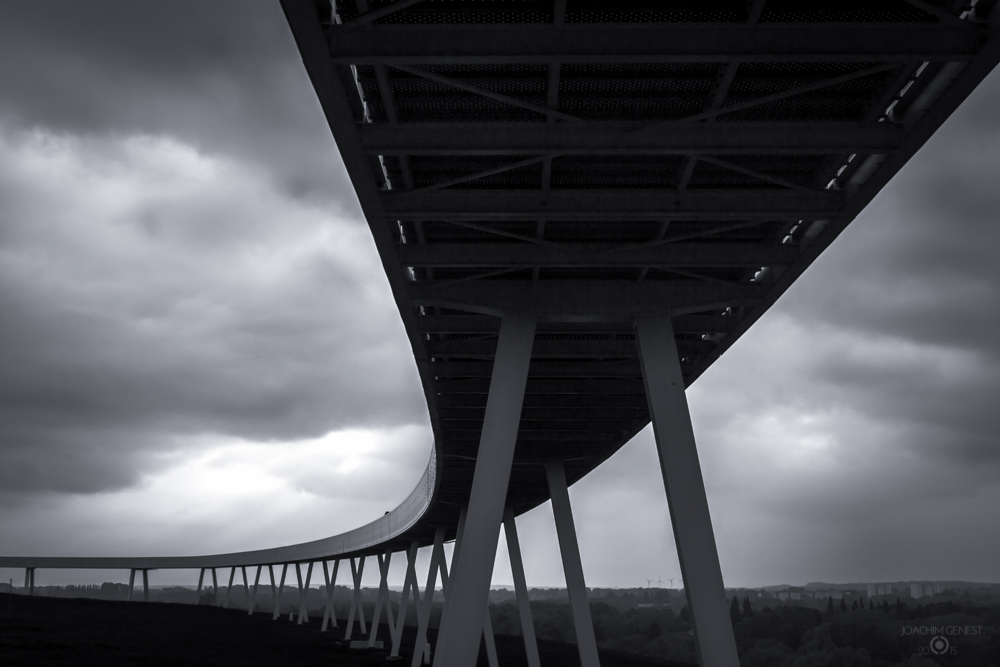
x=199 y=351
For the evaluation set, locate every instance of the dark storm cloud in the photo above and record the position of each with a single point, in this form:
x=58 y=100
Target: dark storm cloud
x=916 y=284
x=180 y=251
x=222 y=75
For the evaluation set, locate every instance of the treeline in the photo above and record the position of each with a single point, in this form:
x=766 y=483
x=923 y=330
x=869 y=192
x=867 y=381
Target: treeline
x=821 y=633
x=886 y=635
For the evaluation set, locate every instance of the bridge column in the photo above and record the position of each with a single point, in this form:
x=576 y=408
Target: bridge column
x=281 y=590
x=229 y=588
x=521 y=588
x=382 y=597
x=569 y=548
x=131 y=583
x=330 y=614
x=276 y=593
x=201 y=580
x=215 y=586
x=145 y=585
x=303 y=593
x=689 y=514
x=409 y=582
x=468 y=590
x=421 y=649
x=246 y=589
x=356 y=606
x=29 y=581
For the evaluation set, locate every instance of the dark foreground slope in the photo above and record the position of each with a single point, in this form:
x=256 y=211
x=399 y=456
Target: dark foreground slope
x=53 y=631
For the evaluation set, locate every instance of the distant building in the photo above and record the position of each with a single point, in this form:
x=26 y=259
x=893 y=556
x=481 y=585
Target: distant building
x=879 y=589
x=924 y=589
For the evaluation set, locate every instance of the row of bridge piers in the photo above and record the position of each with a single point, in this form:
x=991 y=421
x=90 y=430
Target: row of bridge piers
x=465 y=622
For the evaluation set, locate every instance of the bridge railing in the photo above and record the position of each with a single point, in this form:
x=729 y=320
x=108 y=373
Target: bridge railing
x=356 y=541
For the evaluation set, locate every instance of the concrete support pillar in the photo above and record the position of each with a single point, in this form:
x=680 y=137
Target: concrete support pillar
x=521 y=588
x=145 y=585
x=689 y=514
x=298 y=581
x=356 y=606
x=215 y=586
x=253 y=597
x=329 y=613
x=131 y=583
x=421 y=649
x=491 y=645
x=277 y=593
x=382 y=597
x=201 y=580
x=443 y=627
x=246 y=589
x=409 y=583
x=29 y=581
x=468 y=594
x=274 y=591
x=586 y=642
x=229 y=587
x=303 y=592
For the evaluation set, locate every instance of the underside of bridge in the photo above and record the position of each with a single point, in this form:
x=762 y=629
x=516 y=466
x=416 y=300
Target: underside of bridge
x=557 y=185
x=591 y=161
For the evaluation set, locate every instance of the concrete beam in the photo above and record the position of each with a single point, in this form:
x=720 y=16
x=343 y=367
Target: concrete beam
x=693 y=255
x=601 y=204
x=606 y=139
x=592 y=301
x=650 y=43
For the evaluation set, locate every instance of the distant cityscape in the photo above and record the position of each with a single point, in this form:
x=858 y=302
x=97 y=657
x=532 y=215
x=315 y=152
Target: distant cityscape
x=884 y=623
x=659 y=595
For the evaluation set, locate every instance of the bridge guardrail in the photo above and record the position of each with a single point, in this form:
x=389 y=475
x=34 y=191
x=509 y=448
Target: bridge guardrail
x=379 y=531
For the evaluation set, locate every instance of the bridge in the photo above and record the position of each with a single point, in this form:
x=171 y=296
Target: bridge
x=580 y=205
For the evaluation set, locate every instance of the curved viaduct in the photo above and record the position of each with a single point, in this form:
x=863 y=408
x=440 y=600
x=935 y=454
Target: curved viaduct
x=580 y=206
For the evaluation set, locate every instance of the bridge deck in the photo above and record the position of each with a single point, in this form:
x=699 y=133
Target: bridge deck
x=590 y=161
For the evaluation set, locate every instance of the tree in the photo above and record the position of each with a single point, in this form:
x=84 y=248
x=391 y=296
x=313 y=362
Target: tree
x=843 y=604
x=747 y=609
x=734 y=609
x=870 y=606
x=829 y=604
x=854 y=605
